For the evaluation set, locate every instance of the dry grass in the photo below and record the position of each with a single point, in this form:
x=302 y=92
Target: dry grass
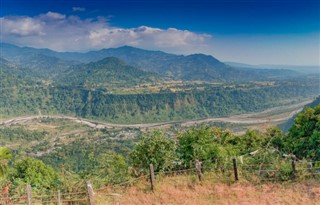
x=187 y=190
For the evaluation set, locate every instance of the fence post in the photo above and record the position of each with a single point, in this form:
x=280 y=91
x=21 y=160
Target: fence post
x=235 y=169
x=310 y=167
x=199 y=170
x=29 y=194
x=293 y=164
x=62 y=170
x=90 y=193
x=59 y=198
x=152 y=178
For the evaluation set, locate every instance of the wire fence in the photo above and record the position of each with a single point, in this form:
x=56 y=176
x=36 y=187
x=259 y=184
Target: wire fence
x=229 y=172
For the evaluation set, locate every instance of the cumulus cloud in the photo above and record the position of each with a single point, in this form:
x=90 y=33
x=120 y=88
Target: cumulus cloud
x=71 y=33
x=53 y=15
x=78 y=9
x=20 y=26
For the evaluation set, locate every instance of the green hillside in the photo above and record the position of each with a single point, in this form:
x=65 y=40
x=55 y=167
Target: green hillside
x=106 y=72
x=156 y=107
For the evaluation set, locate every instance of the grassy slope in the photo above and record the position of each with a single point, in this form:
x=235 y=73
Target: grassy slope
x=186 y=190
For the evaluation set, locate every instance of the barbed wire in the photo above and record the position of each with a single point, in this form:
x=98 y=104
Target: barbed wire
x=307 y=162
x=175 y=171
x=225 y=176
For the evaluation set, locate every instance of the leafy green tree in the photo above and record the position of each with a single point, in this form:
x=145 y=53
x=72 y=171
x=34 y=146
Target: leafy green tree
x=252 y=140
x=206 y=144
x=156 y=149
x=304 y=135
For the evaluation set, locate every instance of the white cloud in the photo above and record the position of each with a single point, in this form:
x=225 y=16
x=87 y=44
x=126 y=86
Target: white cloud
x=20 y=26
x=78 y=9
x=71 y=33
x=53 y=15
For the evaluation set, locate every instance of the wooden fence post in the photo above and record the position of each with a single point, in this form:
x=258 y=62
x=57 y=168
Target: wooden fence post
x=199 y=170
x=235 y=169
x=310 y=167
x=293 y=165
x=29 y=194
x=62 y=170
x=152 y=178
x=90 y=193
x=59 y=197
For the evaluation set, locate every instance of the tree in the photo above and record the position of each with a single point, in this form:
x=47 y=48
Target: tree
x=251 y=141
x=304 y=135
x=156 y=149
x=206 y=144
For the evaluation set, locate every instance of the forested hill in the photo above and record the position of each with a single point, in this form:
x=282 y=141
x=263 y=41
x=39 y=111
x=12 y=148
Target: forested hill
x=48 y=63
x=12 y=75
x=155 y=107
x=106 y=72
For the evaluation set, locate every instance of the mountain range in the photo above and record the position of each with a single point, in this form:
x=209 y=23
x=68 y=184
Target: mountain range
x=149 y=65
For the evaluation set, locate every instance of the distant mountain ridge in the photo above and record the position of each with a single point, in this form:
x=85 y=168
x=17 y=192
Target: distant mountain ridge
x=308 y=69
x=178 y=67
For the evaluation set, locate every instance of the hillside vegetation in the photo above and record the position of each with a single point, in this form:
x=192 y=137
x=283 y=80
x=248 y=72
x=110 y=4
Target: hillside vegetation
x=213 y=146
x=157 y=107
x=104 y=73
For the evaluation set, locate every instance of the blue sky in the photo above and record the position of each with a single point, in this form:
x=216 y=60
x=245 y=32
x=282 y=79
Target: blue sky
x=248 y=31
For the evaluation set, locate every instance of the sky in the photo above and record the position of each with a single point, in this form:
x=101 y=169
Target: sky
x=245 y=31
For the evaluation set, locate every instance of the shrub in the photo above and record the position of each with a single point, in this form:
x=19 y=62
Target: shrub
x=156 y=149
x=206 y=144
x=35 y=173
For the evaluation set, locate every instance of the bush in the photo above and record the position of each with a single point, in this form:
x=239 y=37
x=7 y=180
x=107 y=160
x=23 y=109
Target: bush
x=112 y=168
x=206 y=144
x=154 y=149
x=35 y=173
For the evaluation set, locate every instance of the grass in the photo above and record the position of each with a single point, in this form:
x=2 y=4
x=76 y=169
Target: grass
x=187 y=190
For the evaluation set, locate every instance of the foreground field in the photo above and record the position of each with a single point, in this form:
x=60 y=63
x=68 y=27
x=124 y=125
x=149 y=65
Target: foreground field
x=185 y=190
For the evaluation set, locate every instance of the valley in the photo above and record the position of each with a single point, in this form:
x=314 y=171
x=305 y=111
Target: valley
x=274 y=115
x=49 y=133
x=80 y=113
x=59 y=100
x=139 y=102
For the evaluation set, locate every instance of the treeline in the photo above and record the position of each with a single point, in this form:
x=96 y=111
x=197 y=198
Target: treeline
x=96 y=104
